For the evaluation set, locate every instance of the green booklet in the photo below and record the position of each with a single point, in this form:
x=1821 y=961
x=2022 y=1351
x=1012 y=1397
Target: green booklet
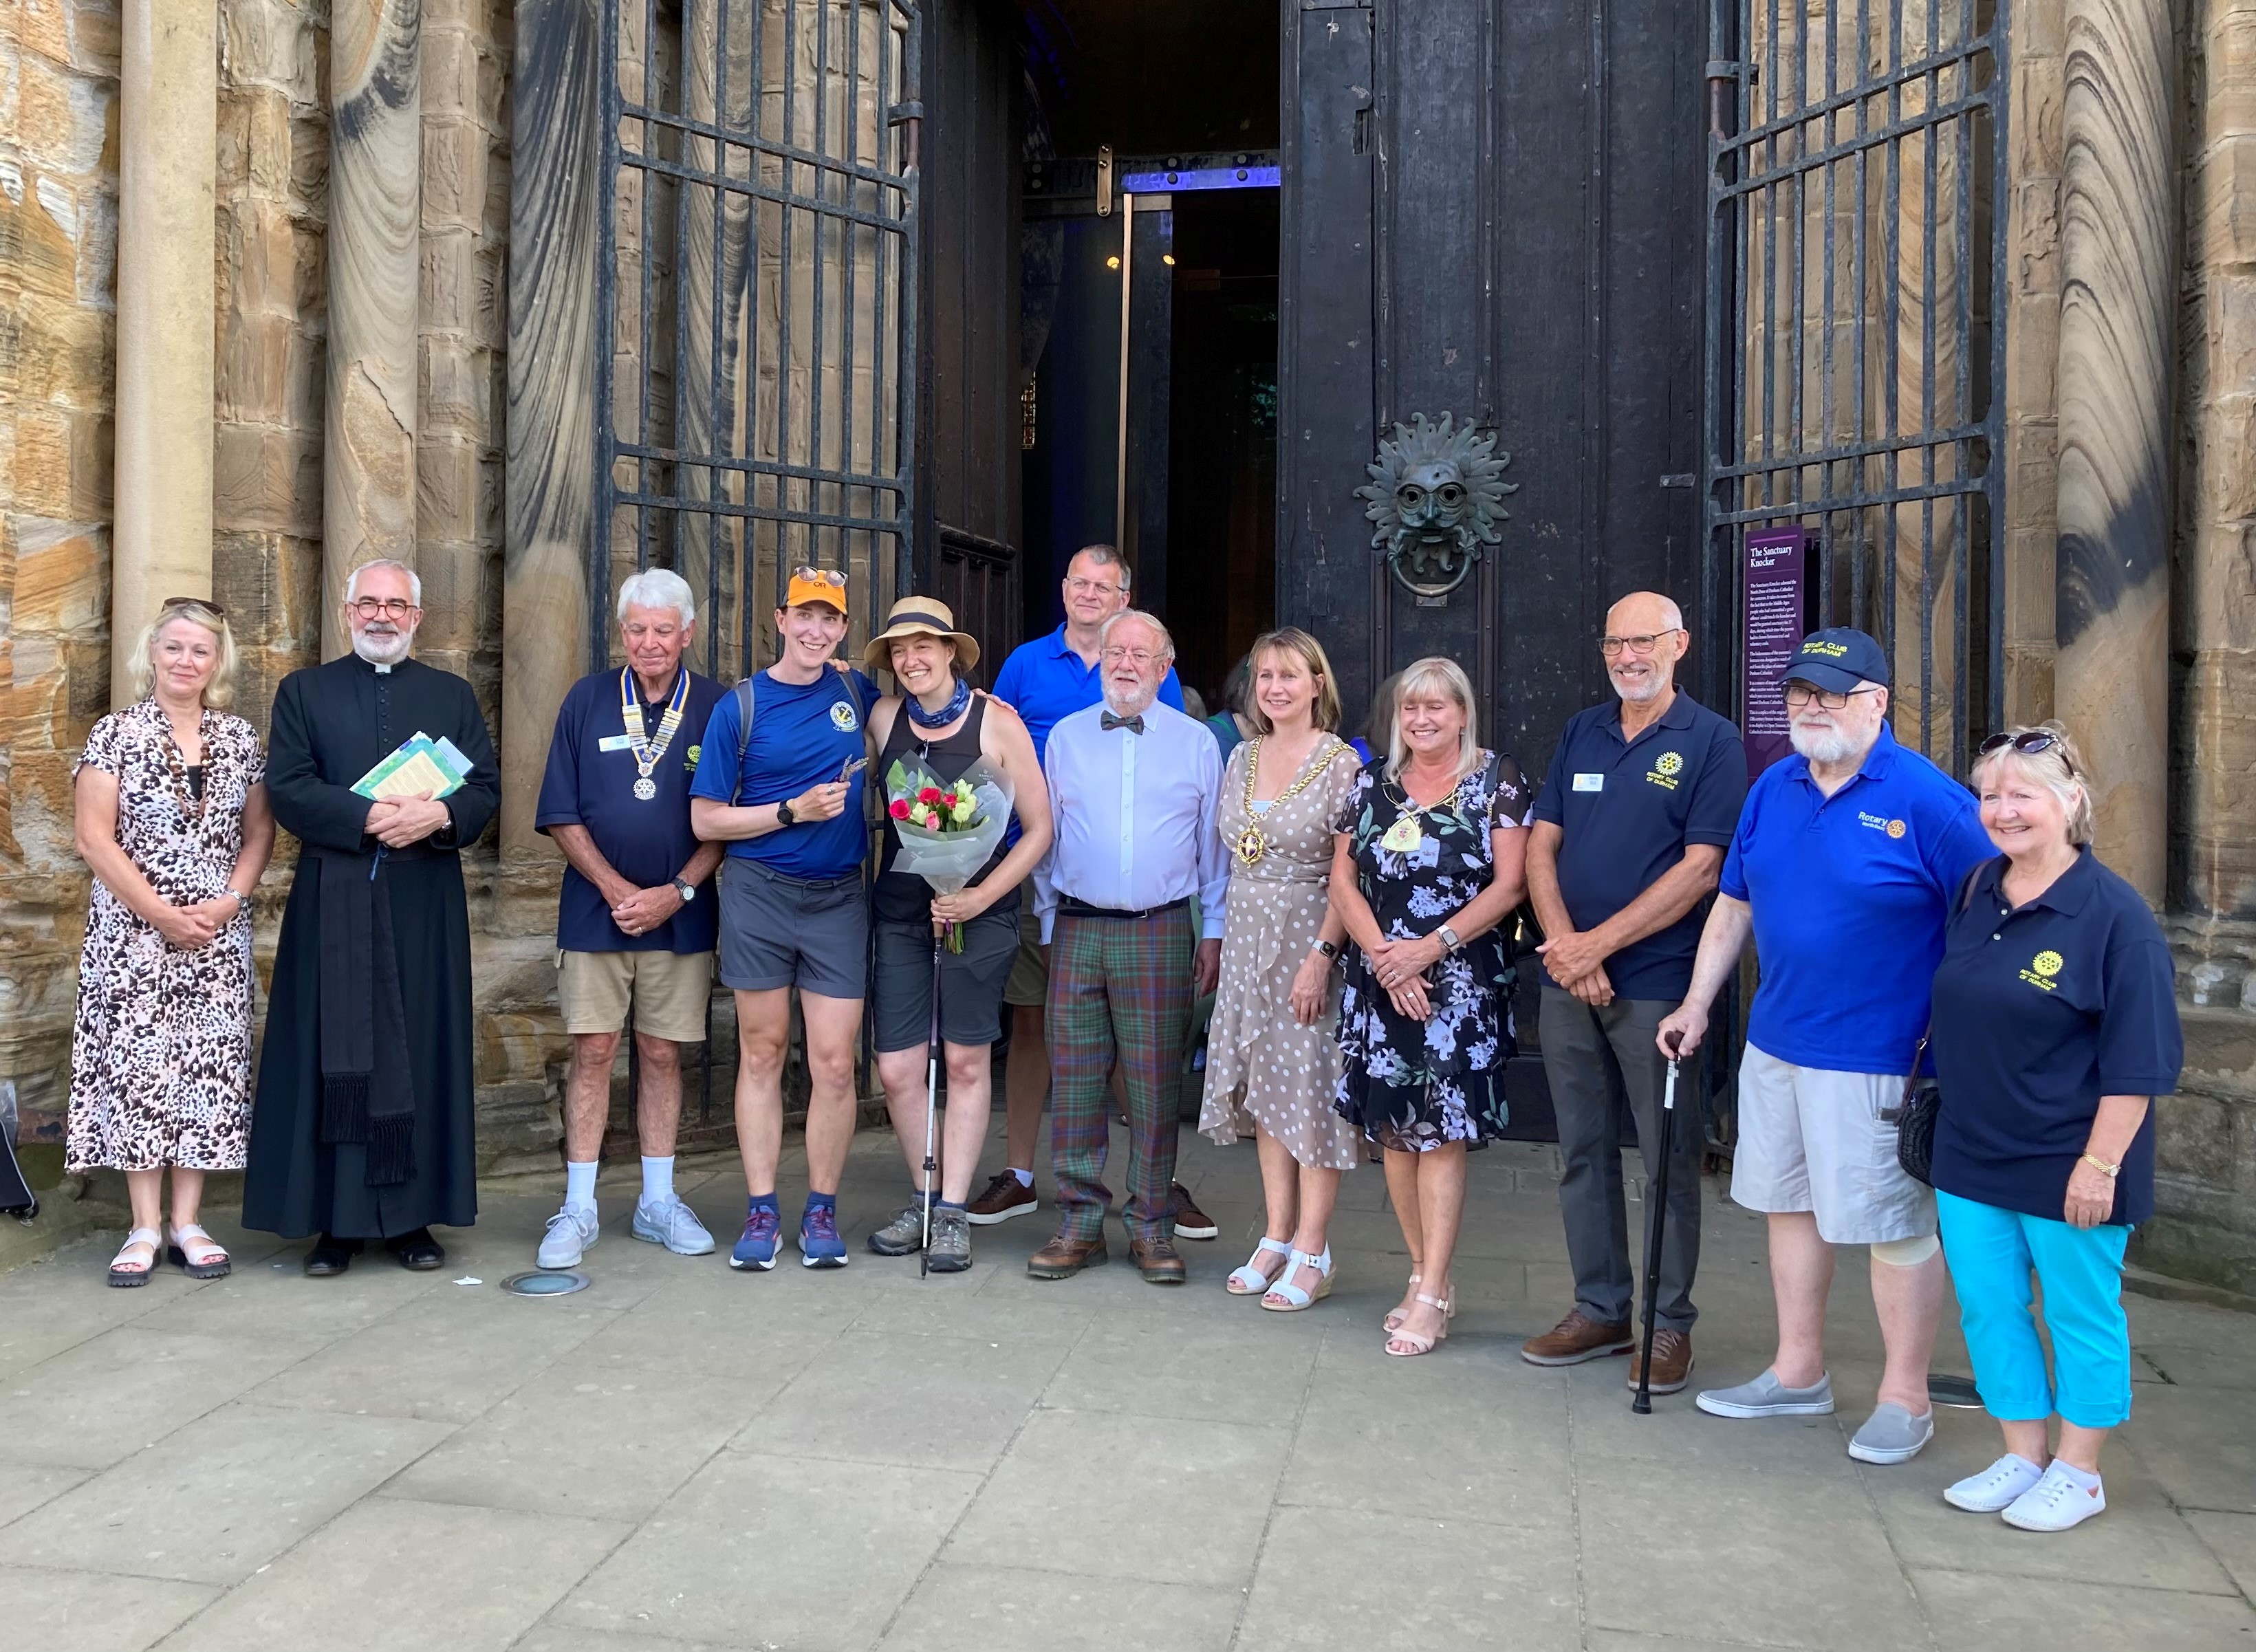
x=421 y=766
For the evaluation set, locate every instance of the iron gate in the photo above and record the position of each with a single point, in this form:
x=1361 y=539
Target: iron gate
x=757 y=288
x=1855 y=349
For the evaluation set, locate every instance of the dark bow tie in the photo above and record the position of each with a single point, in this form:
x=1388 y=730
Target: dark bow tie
x=1134 y=725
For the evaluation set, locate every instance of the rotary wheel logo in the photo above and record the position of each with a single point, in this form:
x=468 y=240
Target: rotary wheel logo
x=1668 y=763
x=1895 y=829
x=2046 y=964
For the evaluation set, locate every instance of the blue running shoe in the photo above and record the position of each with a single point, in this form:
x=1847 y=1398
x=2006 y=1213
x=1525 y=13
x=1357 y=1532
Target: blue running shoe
x=819 y=1244
x=757 y=1248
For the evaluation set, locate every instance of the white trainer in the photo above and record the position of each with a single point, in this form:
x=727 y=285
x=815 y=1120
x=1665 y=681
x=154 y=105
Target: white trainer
x=671 y=1223
x=2057 y=1501
x=571 y=1234
x=1996 y=1487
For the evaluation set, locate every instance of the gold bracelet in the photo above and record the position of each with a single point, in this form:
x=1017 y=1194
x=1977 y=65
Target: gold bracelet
x=2100 y=1165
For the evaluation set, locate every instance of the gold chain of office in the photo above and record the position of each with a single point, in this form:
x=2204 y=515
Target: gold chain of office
x=1251 y=843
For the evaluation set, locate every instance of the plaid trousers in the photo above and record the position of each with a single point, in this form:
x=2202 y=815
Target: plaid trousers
x=1118 y=987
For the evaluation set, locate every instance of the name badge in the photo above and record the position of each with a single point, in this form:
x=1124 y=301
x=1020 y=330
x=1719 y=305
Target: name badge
x=614 y=743
x=1590 y=782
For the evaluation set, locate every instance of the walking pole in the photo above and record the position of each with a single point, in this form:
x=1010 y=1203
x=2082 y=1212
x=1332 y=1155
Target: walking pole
x=1656 y=1188
x=931 y=1108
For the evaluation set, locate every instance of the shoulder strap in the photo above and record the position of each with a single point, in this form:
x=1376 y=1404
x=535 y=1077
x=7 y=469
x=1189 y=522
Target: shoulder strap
x=743 y=693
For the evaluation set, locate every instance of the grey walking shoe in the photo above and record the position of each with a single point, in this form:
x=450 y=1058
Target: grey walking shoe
x=1892 y=1435
x=904 y=1235
x=571 y=1234
x=671 y=1223
x=1767 y=1397
x=950 y=1250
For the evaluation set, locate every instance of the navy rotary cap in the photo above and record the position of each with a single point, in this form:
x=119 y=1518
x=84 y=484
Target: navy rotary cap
x=1838 y=658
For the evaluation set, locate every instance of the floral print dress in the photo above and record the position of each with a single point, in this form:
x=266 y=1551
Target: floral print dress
x=160 y=1056
x=1409 y=1086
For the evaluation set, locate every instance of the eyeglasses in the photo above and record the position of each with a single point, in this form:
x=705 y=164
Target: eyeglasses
x=390 y=607
x=1081 y=587
x=1137 y=656
x=1801 y=694
x=204 y=603
x=2028 y=744
x=1612 y=646
x=820 y=576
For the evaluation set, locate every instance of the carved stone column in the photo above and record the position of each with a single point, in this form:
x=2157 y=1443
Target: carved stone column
x=376 y=169
x=168 y=84
x=2119 y=257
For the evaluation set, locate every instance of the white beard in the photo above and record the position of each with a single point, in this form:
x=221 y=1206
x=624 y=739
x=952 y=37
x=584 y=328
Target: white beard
x=1644 y=694
x=384 y=651
x=1837 y=746
x=1120 y=708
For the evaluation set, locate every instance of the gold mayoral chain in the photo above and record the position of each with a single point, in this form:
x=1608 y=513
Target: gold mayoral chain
x=646 y=751
x=1251 y=843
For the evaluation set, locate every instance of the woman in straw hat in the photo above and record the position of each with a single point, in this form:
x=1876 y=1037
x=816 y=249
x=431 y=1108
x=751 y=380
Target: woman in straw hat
x=937 y=720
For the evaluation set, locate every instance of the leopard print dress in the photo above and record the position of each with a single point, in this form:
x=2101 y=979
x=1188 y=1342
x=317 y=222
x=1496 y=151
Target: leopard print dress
x=160 y=1056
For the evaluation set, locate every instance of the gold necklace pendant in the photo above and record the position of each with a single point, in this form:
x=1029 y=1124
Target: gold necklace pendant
x=1249 y=846
x=1251 y=843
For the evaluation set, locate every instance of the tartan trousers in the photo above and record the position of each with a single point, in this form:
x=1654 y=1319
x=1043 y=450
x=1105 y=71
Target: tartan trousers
x=1118 y=987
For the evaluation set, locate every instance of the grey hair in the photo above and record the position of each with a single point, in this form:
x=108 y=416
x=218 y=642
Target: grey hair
x=2059 y=769
x=1105 y=556
x=414 y=579
x=1167 y=636
x=1435 y=671
x=658 y=587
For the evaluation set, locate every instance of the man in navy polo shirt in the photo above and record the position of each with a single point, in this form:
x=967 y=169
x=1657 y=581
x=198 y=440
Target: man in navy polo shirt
x=1045 y=680
x=634 y=920
x=1843 y=866
x=1630 y=832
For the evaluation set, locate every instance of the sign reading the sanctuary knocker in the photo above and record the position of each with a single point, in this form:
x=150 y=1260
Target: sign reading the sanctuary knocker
x=1435 y=498
x=1777 y=563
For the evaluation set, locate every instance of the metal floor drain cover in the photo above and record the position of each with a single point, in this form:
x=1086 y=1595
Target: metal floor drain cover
x=545 y=1282
x=1954 y=1391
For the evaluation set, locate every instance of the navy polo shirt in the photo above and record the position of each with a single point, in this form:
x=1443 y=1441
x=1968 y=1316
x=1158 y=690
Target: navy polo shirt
x=1044 y=681
x=1627 y=811
x=2041 y=1010
x=589 y=782
x=802 y=735
x=1849 y=894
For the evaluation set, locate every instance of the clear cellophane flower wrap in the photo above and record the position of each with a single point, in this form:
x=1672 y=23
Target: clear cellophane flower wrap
x=948 y=829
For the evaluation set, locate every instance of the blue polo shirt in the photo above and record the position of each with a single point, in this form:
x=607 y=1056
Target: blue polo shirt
x=2041 y=1010
x=802 y=735
x=1627 y=811
x=1044 y=681
x=1849 y=892
x=589 y=782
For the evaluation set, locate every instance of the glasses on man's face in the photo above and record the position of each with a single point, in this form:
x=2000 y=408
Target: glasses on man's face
x=1799 y=695
x=387 y=607
x=1137 y=657
x=1080 y=586
x=2028 y=744
x=1613 y=647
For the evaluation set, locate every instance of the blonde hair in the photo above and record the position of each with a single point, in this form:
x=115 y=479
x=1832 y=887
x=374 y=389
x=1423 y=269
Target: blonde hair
x=1422 y=676
x=2059 y=768
x=1291 y=639
x=141 y=668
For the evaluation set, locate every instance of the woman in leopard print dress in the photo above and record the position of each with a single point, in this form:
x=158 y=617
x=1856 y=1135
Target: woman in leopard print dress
x=172 y=818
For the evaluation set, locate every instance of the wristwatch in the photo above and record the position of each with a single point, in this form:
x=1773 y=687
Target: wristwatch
x=1450 y=938
x=686 y=890
x=784 y=816
x=1328 y=949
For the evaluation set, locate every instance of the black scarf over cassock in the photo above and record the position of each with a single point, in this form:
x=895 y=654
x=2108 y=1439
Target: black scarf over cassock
x=368 y=1094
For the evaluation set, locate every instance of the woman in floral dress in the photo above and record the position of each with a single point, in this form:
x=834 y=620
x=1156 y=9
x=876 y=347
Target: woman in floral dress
x=1426 y=866
x=1272 y=1036
x=172 y=818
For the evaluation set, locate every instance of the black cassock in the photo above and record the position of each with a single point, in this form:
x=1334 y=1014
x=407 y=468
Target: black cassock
x=332 y=724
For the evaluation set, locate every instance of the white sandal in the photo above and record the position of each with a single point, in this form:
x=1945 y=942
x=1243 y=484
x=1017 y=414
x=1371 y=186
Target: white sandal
x=210 y=1261
x=1420 y=1343
x=1286 y=1297
x=1250 y=1281
x=126 y=1278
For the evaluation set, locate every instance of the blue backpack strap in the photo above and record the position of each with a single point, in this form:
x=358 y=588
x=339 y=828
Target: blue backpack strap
x=743 y=693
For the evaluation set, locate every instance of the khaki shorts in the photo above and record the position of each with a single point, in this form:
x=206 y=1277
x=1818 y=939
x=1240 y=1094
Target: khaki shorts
x=1030 y=972
x=669 y=991
x=1813 y=1139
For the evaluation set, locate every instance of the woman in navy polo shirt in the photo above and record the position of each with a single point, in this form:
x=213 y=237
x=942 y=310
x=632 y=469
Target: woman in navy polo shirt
x=2055 y=1025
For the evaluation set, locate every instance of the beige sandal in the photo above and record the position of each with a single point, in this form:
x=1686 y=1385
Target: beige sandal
x=1393 y=1320
x=1420 y=1343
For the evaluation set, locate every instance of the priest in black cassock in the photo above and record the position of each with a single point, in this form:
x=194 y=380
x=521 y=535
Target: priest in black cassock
x=362 y=1127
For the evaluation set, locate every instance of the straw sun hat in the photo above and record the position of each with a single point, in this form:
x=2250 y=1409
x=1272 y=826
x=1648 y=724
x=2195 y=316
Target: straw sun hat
x=919 y=617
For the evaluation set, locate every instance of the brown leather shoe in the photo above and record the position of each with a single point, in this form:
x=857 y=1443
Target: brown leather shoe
x=1065 y=1256
x=1159 y=1261
x=1672 y=1361
x=1191 y=1223
x=1577 y=1339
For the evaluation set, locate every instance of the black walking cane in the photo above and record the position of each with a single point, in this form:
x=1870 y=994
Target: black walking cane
x=931 y=1108
x=1657 y=1190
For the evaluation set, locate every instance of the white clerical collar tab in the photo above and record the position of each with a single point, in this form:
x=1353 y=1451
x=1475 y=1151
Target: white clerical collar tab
x=384 y=671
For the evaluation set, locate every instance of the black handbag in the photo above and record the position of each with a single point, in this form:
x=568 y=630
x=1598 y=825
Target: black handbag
x=1915 y=1118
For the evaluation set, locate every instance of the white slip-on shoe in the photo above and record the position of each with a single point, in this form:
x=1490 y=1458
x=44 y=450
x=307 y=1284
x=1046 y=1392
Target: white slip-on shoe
x=1994 y=1489
x=2059 y=1501
x=571 y=1234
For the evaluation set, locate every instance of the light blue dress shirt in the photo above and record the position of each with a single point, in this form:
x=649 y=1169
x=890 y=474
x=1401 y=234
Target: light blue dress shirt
x=1136 y=816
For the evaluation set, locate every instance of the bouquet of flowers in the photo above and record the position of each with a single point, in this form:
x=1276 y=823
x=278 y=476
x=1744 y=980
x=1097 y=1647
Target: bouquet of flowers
x=948 y=829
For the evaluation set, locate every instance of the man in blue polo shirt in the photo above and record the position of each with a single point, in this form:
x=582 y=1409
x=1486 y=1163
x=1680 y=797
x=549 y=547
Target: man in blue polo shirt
x=1045 y=680
x=1630 y=832
x=793 y=912
x=634 y=920
x=1843 y=866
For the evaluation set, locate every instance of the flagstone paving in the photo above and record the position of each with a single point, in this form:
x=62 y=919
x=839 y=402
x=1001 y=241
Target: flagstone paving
x=683 y=1457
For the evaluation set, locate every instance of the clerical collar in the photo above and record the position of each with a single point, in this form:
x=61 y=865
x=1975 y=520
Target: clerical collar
x=382 y=670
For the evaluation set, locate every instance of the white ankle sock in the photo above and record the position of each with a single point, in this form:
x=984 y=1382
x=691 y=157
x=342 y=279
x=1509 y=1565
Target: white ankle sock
x=657 y=1179
x=580 y=1185
x=1025 y=1177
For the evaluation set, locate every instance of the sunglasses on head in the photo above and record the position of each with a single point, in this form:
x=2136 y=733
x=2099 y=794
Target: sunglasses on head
x=190 y=602
x=820 y=575
x=2027 y=744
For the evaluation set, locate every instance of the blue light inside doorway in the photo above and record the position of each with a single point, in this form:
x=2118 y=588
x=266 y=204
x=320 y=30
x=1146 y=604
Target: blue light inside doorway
x=1154 y=183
